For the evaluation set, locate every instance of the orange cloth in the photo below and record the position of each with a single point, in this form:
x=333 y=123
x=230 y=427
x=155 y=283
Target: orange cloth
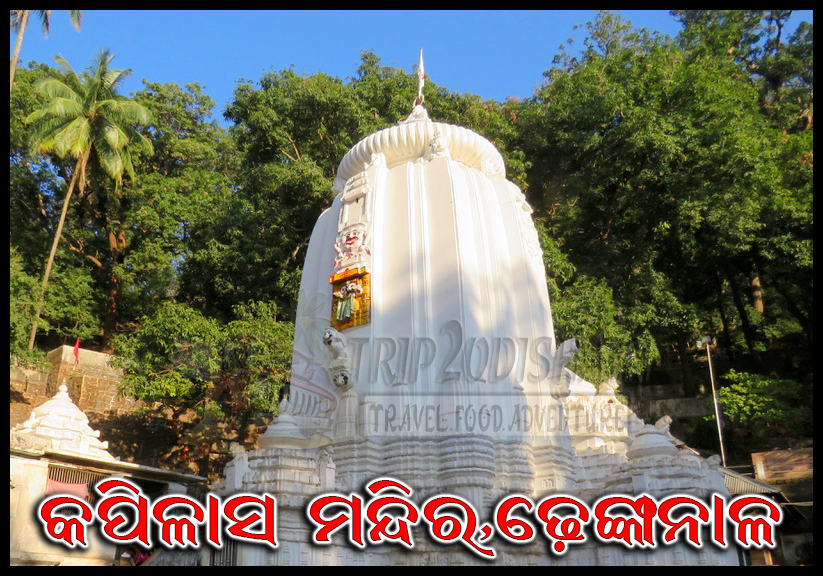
x=57 y=487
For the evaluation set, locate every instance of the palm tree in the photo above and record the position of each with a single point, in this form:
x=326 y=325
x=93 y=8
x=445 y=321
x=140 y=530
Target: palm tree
x=18 y=20
x=85 y=119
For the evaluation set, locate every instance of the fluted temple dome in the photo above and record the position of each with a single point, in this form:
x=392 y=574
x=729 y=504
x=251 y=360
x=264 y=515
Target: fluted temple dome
x=61 y=426
x=425 y=235
x=412 y=139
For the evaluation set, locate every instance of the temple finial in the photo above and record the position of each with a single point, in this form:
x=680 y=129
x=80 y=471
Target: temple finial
x=419 y=112
x=421 y=80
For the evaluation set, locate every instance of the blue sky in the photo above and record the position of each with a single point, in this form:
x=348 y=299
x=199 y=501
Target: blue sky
x=495 y=54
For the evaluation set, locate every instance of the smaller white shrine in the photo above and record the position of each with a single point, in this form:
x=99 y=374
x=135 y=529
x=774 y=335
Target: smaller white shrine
x=59 y=426
x=55 y=451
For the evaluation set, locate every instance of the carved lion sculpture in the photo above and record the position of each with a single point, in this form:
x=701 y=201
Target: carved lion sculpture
x=336 y=344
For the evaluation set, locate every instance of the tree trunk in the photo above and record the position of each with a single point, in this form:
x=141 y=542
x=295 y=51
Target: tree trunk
x=24 y=18
x=79 y=167
x=116 y=248
x=118 y=243
x=686 y=370
x=757 y=294
x=724 y=318
x=112 y=312
x=748 y=333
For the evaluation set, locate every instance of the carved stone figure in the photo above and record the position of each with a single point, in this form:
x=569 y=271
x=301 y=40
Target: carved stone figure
x=439 y=148
x=336 y=344
x=350 y=247
x=664 y=425
x=341 y=378
x=337 y=367
x=609 y=387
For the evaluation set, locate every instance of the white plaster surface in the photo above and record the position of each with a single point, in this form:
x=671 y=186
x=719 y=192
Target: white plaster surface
x=454 y=261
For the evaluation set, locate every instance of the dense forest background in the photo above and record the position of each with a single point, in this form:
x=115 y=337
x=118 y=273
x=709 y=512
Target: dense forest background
x=671 y=180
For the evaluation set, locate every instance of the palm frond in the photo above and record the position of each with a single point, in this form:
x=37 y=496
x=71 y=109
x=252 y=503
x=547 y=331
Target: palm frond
x=127 y=163
x=64 y=66
x=142 y=143
x=45 y=20
x=114 y=78
x=55 y=88
x=70 y=77
x=76 y=17
x=110 y=159
x=127 y=111
x=41 y=127
x=57 y=108
x=73 y=140
x=112 y=133
x=85 y=117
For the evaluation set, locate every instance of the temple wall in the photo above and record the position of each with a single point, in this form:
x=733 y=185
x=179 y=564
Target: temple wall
x=93 y=385
x=426 y=241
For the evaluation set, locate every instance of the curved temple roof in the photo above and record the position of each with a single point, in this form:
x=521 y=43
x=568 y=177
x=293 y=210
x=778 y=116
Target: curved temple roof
x=412 y=138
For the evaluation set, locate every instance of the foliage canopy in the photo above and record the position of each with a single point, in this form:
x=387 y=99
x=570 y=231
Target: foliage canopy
x=671 y=178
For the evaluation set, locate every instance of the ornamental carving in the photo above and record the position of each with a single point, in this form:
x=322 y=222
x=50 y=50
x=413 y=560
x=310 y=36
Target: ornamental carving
x=351 y=247
x=351 y=298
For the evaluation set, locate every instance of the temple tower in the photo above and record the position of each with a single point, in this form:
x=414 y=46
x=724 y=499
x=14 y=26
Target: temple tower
x=429 y=336
x=425 y=351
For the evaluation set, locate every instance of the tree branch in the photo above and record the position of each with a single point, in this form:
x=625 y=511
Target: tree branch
x=93 y=260
x=294 y=145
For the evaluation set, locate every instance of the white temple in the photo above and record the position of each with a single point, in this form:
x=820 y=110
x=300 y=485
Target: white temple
x=425 y=351
x=56 y=452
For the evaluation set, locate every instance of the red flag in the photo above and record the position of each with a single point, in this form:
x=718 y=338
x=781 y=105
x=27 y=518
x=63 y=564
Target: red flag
x=77 y=351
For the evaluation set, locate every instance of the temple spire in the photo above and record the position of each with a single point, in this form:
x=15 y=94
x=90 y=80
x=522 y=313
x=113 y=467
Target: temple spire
x=421 y=80
x=418 y=112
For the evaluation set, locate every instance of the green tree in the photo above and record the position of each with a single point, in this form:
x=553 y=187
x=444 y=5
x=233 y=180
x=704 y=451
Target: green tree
x=658 y=174
x=84 y=119
x=253 y=247
x=184 y=186
x=70 y=307
x=766 y=408
x=21 y=304
x=181 y=185
x=781 y=66
x=18 y=19
x=187 y=360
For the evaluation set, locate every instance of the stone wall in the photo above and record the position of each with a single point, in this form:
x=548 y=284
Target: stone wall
x=137 y=431
x=94 y=386
x=27 y=389
x=677 y=408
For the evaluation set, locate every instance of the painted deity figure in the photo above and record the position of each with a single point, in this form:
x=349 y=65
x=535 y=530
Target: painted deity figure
x=346 y=300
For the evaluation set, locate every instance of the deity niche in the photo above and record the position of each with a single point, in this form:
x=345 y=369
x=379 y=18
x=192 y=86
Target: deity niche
x=351 y=298
x=351 y=247
x=346 y=300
